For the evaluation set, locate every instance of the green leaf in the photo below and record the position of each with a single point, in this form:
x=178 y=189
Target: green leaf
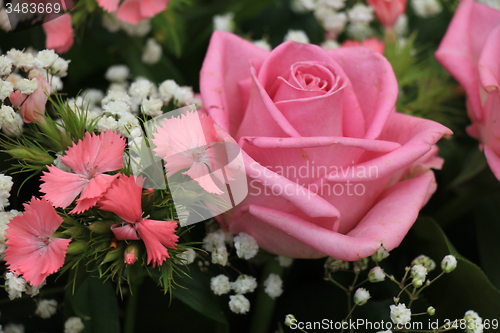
x=195 y=291
x=467 y=287
x=488 y=231
x=475 y=164
x=95 y=302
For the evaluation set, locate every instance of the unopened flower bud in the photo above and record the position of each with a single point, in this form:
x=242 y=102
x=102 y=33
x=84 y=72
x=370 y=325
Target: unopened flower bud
x=431 y=311
x=449 y=263
x=425 y=261
x=418 y=273
x=76 y=247
x=376 y=274
x=290 y=320
x=101 y=227
x=380 y=254
x=361 y=296
x=131 y=252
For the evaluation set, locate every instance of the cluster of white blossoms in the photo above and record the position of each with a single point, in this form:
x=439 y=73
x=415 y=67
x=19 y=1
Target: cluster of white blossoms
x=152 y=52
x=426 y=8
x=16 y=285
x=5 y=216
x=246 y=248
x=73 y=325
x=5 y=187
x=46 y=308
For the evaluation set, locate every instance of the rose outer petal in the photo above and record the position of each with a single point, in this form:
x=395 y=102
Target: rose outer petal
x=385 y=224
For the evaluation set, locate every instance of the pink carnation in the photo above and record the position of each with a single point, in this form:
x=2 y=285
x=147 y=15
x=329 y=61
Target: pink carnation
x=89 y=159
x=32 y=249
x=124 y=199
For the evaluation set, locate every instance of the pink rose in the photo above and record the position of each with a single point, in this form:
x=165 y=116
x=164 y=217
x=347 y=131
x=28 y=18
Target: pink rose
x=311 y=123
x=470 y=51
x=388 y=11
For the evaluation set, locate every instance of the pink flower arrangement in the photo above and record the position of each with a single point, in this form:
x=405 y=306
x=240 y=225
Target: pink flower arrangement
x=32 y=107
x=470 y=51
x=124 y=199
x=89 y=159
x=32 y=249
x=133 y=11
x=332 y=114
x=388 y=11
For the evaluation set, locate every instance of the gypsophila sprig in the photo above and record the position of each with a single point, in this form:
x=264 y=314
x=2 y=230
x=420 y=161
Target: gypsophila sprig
x=400 y=315
x=361 y=296
x=246 y=246
x=449 y=263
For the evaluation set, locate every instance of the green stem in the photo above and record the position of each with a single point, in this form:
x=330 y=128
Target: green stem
x=264 y=305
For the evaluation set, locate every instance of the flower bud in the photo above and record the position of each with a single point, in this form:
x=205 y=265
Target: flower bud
x=380 y=254
x=449 y=263
x=418 y=273
x=473 y=322
x=289 y=320
x=76 y=247
x=131 y=252
x=376 y=274
x=361 y=296
x=431 y=311
x=101 y=227
x=425 y=261
x=360 y=265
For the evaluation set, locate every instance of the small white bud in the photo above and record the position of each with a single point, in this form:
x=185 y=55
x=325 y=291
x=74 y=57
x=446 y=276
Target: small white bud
x=361 y=296
x=376 y=274
x=290 y=320
x=449 y=263
x=380 y=255
x=431 y=311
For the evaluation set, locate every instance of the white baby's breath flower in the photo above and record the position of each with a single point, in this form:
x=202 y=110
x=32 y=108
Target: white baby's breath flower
x=13 y=127
x=6 y=89
x=46 y=58
x=184 y=96
x=117 y=73
x=27 y=87
x=7 y=115
x=401 y=25
x=46 y=308
x=331 y=20
x=244 y=284
x=400 y=315
x=110 y=23
x=473 y=322
x=219 y=256
x=361 y=296
x=380 y=255
x=152 y=107
x=284 y=261
x=117 y=108
x=127 y=123
x=5 y=65
x=290 y=320
x=13 y=328
x=4 y=20
x=273 y=285
x=263 y=44
x=107 y=123
x=418 y=273
x=360 y=13
x=220 y=284
x=239 y=304
x=22 y=60
x=214 y=240
x=140 y=89
x=246 y=246
x=335 y=4
x=152 y=52
x=298 y=36
x=330 y=44
x=73 y=325
x=187 y=257
x=92 y=97
x=60 y=67
x=167 y=90
x=449 y=263
x=359 y=31
x=224 y=22
x=425 y=261
x=5 y=218
x=14 y=285
x=426 y=8
x=116 y=95
x=376 y=274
